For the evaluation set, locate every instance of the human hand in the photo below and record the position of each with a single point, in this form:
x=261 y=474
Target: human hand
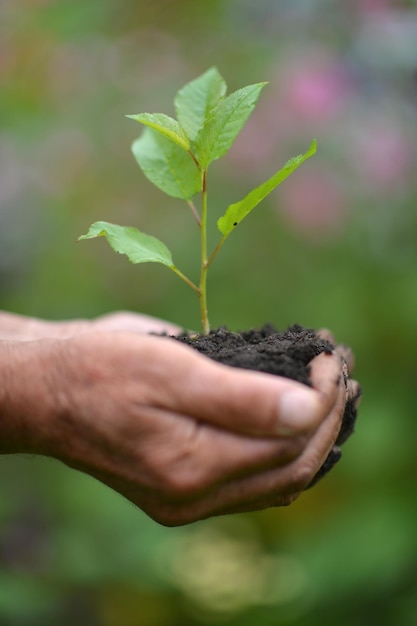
x=23 y=328
x=181 y=436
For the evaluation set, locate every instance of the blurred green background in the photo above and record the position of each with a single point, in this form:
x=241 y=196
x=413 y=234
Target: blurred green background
x=334 y=247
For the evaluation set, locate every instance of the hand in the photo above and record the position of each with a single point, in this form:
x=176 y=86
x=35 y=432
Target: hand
x=181 y=436
x=21 y=328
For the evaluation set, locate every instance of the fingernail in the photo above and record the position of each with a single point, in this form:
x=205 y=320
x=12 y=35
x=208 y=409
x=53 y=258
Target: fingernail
x=297 y=411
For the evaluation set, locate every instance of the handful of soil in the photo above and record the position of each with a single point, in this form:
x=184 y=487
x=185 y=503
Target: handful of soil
x=283 y=353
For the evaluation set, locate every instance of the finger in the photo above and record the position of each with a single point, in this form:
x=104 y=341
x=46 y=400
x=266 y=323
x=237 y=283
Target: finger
x=326 y=375
x=273 y=487
x=182 y=499
x=346 y=353
x=327 y=335
x=295 y=477
x=245 y=401
x=175 y=476
x=353 y=396
x=353 y=391
x=280 y=487
x=265 y=487
x=187 y=458
x=177 y=489
x=333 y=457
x=342 y=349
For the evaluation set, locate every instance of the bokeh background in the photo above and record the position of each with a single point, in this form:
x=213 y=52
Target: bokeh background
x=335 y=246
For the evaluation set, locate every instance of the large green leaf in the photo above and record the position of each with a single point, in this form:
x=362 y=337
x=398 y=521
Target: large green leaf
x=138 y=247
x=235 y=213
x=166 y=165
x=224 y=124
x=195 y=101
x=165 y=125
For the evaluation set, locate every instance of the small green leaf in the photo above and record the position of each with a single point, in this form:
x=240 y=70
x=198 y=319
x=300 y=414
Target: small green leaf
x=236 y=212
x=138 y=247
x=165 y=125
x=225 y=123
x=166 y=165
x=195 y=101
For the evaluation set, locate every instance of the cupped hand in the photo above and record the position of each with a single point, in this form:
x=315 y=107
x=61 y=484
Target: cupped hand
x=181 y=436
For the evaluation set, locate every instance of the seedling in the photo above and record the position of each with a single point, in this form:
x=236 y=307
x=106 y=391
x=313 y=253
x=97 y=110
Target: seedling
x=175 y=155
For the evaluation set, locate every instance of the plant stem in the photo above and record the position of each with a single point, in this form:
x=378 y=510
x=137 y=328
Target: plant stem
x=215 y=251
x=204 y=264
x=185 y=279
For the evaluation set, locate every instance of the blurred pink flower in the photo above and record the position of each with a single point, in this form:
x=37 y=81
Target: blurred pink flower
x=314 y=202
x=306 y=90
x=317 y=88
x=385 y=156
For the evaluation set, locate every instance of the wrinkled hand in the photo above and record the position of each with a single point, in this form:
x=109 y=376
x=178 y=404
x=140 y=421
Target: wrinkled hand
x=181 y=436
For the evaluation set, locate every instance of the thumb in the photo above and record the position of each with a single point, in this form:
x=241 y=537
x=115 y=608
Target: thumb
x=252 y=402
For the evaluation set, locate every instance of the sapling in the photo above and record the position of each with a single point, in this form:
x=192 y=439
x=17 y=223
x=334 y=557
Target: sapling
x=175 y=155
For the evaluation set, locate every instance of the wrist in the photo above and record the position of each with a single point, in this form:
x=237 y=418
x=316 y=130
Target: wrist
x=26 y=395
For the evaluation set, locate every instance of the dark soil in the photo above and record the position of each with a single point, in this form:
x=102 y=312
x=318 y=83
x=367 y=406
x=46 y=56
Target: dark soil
x=284 y=353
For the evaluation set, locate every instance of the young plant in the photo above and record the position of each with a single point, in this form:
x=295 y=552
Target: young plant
x=175 y=155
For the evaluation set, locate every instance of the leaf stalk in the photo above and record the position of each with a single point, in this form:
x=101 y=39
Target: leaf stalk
x=185 y=279
x=194 y=212
x=216 y=251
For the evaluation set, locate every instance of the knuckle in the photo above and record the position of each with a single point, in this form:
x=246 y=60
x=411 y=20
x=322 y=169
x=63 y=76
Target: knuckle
x=180 y=483
x=301 y=477
x=178 y=471
x=288 y=499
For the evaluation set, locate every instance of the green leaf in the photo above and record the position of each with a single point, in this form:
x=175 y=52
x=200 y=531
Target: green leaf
x=225 y=123
x=195 y=101
x=165 y=125
x=166 y=165
x=236 y=212
x=138 y=247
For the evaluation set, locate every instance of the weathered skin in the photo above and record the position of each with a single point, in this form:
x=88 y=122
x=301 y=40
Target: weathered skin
x=182 y=437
